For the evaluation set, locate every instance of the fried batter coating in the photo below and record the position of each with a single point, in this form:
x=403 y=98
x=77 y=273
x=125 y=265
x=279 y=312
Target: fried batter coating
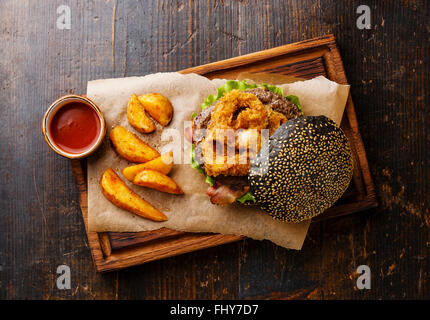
x=239 y=110
x=234 y=135
x=276 y=119
x=221 y=157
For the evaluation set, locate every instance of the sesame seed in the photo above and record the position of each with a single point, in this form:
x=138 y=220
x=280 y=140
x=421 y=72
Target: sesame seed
x=309 y=168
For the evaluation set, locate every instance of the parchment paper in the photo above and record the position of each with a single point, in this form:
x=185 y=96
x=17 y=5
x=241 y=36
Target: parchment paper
x=192 y=211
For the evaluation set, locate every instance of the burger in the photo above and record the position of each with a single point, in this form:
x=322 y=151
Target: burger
x=256 y=146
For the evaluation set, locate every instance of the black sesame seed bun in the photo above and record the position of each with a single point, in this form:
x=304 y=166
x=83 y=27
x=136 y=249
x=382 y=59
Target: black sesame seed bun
x=302 y=170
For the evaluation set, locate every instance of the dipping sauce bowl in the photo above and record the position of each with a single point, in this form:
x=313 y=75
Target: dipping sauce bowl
x=73 y=126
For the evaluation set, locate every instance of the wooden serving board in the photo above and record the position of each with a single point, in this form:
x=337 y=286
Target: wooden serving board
x=305 y=59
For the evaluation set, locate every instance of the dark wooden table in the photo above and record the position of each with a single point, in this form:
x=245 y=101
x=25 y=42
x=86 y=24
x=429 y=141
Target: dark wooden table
x=387 y=67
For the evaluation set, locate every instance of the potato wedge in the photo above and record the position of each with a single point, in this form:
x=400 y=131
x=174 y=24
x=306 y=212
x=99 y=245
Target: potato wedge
x=158 y=106
x=130 y=147
x=156 y=180
x=162 y=164
x=137 y=116
x=117 y=192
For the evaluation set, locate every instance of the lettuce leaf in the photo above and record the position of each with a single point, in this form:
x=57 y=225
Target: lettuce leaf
x=194 y=162
x=247 y=198
x=209 y=180
x=237 y=85
x=295 y=99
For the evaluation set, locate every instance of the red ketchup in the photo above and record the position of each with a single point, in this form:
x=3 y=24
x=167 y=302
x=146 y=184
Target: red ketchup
x=75 y=127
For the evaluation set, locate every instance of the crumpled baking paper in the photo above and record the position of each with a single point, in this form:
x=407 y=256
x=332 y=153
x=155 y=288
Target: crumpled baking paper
x=191 y=212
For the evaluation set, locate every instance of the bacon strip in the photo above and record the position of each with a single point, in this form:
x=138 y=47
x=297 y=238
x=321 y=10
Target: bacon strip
x=223 y=194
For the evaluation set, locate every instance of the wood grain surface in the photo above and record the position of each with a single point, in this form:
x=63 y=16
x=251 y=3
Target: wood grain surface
x=304 y=60
x=387 y=67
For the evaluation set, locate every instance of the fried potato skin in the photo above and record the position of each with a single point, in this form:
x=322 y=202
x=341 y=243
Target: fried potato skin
x=162 y=164
x=117 y=192
x=137 y=116
x=158 y=106
x=156 y=180
x=131 y=147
